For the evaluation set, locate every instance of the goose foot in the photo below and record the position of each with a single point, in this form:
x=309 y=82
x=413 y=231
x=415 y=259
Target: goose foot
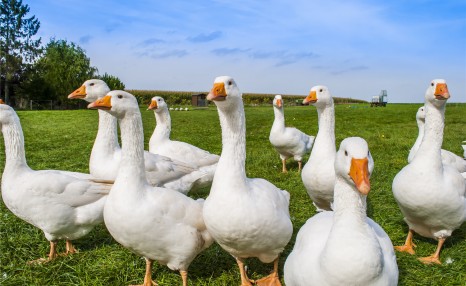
x=284 y=170
x=430 y=260
x=245 y=281
x=435 y=257
x=69 y=248
x=148 y=276
x=52 y=255
x=272 y=279
x=409 y=245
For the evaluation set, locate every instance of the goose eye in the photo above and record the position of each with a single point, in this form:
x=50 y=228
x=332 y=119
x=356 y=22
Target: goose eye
x=92 y=84
x=120 y=96
x=230 y=83
x=320 y=90
x=346 y=153
x=432 y=84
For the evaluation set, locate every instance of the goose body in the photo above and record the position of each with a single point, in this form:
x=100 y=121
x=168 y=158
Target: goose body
x=431 y=195
x=161 y=144
x=247 y=217
x=318 y=174
x=154 y=222
x=64 y=205
x=105 y=157
x=448 y=158
x=344 y=246
x=288 y=141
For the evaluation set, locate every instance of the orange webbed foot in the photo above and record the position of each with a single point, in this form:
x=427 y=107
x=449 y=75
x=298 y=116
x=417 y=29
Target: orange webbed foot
x=430 y=260
x=406 y=248
x=271 y=280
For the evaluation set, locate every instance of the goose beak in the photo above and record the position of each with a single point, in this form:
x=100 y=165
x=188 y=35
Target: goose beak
x=279 y=103
x=79 y=93
x=359 y=172
x=311 y=98
x=153 y=105
x=104 y=103
x=1 y=101
x=441 y=91
x=217 y=92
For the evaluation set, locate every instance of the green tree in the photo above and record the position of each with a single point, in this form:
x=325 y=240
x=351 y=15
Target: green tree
x=17 y=46
x=63 y=67
x=113 y=82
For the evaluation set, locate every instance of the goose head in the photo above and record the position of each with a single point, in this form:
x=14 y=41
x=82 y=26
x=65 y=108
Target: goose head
x=354 y=163
x=278 y=101
x=421 y=114
x=7 y=114
x=319 y=96
x=437 y=93
x=225 y=93
x=119 y=103
x=90 y=90
x=157 y=104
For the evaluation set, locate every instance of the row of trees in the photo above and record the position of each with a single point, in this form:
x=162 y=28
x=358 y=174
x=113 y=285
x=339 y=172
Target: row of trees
x=31 y=71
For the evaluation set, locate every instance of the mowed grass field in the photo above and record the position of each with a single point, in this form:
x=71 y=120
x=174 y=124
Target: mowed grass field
x=63 y=140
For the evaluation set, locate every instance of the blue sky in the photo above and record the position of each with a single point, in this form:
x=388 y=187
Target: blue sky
x=355 y=47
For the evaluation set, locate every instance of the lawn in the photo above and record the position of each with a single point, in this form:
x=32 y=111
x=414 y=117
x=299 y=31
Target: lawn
x=63 y=140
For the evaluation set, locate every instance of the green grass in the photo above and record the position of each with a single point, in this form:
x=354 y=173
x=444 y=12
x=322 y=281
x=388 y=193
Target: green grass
x=63 y=140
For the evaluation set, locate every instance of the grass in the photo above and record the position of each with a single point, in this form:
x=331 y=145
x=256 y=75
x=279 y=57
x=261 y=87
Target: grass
x=63 y=140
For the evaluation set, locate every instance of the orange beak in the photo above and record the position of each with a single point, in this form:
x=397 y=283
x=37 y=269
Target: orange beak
x=104 y=103
x=153 y=105
x=359 y=172
x=79 y=93
x=311 y=98
x=1 y=101
x=441 y=91
x=217 y=92
x=279 y=103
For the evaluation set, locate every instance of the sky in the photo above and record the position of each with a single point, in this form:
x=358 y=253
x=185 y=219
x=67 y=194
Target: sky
x=354 y=47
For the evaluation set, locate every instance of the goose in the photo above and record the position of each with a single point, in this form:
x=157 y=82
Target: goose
x=431 y=195
x=318 y=174
x=106 y=152
x=288 y=141
x=344 y=246
x=247 y=217
x=161 y=144
x=154 y=222
x=448 y=158
x=64 y=205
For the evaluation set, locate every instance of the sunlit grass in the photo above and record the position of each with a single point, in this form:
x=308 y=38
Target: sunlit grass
x=63 y=140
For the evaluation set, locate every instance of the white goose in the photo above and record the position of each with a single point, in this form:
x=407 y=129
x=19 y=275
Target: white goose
x=318 y=174
x=157 y=223
x=431 y=195
x=247 y=217
x=448 y=158
x=161 y=144
x=64 y=205
x=344 y=247
x=288 y=141
x=106 y=152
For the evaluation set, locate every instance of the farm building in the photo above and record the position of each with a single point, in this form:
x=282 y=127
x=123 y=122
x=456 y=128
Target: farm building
x=199 y=99
x=379 y=100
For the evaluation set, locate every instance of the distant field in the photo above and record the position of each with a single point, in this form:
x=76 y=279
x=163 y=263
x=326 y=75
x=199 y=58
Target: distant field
x=63 y=140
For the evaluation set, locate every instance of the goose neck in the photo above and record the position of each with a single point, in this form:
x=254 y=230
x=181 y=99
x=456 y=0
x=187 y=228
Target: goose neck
x=132 y=168
x=14 y=144
x=431 y=142
x=279 y=118
x=233 y=155
x=348 y=203
x=107 y=133
x=163 y=127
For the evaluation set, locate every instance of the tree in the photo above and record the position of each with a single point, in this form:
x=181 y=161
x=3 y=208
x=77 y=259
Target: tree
x=113 y=82
x=17 y=47
x=63 y=67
